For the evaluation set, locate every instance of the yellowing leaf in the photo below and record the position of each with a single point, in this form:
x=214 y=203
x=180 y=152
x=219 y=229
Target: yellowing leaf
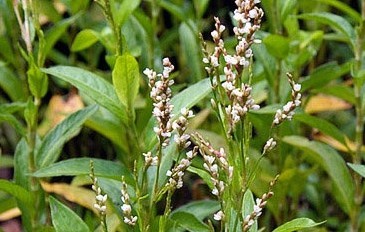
x=321 y=103
x=337 y=145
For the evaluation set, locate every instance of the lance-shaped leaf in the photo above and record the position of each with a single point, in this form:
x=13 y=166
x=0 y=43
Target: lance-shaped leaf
x=64 y=219
x=333 y=164
x=126 y=80
x=297 y=224
x=53 y=142
x=95 y=87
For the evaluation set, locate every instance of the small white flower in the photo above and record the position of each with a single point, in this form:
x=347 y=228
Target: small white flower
x=168 y=173
x=126 y=208
x=297 y=87
x=218 y=216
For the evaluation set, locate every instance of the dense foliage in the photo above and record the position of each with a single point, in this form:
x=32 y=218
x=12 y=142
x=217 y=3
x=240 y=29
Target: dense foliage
x=255 y=121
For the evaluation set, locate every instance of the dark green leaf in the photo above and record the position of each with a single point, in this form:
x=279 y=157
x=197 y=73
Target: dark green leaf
x=189 y=222
x=336 y=22
x=190 y=52
x=359 y=168
x=248 y=207
x=93 y=86
x=323 y=74
x=9 y=118
x=81 y=166
x=263 y=56
x=173 y=9
x=55 y=139
x=344 y=7
x=11 y=84
x=297 y=224
x=333 y=164
x=64 y=219
x=322 y=125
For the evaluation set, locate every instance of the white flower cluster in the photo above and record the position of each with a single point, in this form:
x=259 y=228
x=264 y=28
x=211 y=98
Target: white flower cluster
x=270 y=144
x=213 y=162
x=257 y=211
x=126 y=207
x=218 y=216
x=150 y=160
x=180 y=125
x=100 y=199
x=161 y=96
x=287 y=111
x=248 y=17
x=177 y=173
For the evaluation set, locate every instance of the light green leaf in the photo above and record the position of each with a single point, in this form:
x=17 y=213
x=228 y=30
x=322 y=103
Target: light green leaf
x=9 y=118
x=84 y=39
x=336 y=22
x=53 y=142
x=277 y=45
x=6 y=161
x=125 y=10
x=201 y=209
x=287 y=8
x=263 y=56
x=359 y=168
x=344 y=7
x=189 y=222
x=248 y=207
x=200 y=7
x=333 y=164
x=126 y=80
x=297 y=224
x=37 y=80
x=64 y=219
x=173 y=9
x=95 y=87
x=81 y=166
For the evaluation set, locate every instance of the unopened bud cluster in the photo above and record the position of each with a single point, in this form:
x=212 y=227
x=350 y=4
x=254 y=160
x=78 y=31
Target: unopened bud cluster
x=177 y=173
x=287 y=111
x=258 y=207
x=128 y=218
x=150 y=160
x=214 y=161
x=270 y=144
x=100 y=199
x=180 y=125
x=161 y=96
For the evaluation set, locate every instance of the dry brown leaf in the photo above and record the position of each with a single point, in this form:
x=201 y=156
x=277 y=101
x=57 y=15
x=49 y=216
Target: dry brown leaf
x=10 y=214
x=78 y=195
x=321 y=102
x=59 y=107
x=335 y=144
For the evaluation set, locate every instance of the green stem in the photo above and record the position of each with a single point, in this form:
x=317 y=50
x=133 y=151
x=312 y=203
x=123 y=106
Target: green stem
x=359 y=128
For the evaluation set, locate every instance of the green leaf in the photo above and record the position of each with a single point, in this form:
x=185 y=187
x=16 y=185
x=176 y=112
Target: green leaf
x=200 y=7
x=95 y=87
x=322 y=125
x=263 y=56
x=201 y=209
x=248 y=208
x=55 y=33
x=21 y=164
x=277 y=45
x=53 y=142
x=333 y=164
x=11 y=84
x=346 y=8
x=173 y=9
x=37 y=80
x=84 y=39
x=81 y=166
x=126 y=80
x=287 y=8
x=359 y=168
x=190 y=52
x=341 y=91
x=64 y=219
x=24 y=198
x=9 y=118
x=297 y=224
x=336 y=22
x=323 y=74
x=125 y=9
x=189 y=222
